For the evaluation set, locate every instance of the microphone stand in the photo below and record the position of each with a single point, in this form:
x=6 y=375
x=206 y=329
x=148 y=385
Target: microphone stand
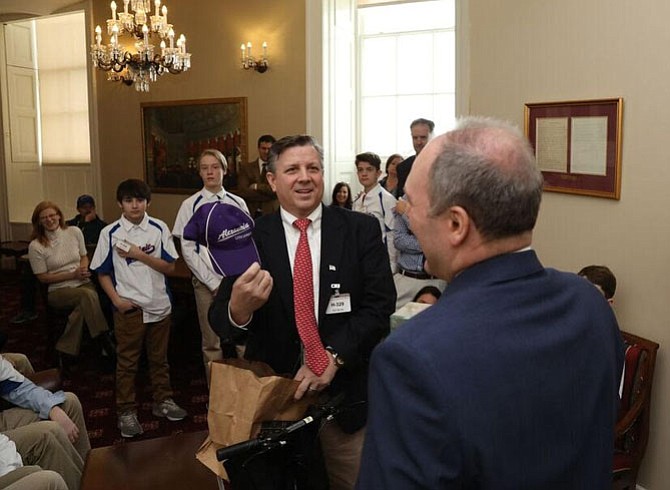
x=237 y=457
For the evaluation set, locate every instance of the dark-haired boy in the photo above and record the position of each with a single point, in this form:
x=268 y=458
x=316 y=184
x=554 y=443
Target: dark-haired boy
x=132 y=257
x=375 y=200
x=602 y=278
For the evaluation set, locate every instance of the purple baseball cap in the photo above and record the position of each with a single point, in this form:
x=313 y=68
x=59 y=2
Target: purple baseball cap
x=226 y=232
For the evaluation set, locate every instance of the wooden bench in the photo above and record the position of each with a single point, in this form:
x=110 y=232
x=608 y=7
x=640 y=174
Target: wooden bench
x=163 y=463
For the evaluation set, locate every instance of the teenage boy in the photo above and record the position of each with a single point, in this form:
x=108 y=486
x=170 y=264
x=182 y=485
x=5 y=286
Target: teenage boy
x=212 y=166
x=375 y=200
x=132 y=257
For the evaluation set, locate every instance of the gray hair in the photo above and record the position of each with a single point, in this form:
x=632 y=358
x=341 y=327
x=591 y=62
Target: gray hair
x=283 y=144
x=487 y=167
x=216 y=154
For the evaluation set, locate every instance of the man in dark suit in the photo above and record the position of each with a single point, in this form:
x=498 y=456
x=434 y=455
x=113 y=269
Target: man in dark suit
x=422 y=131
x=510 y=380
x=252 y=184
x=351 y=297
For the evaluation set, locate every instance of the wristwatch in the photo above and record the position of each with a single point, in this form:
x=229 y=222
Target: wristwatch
x=339 y=362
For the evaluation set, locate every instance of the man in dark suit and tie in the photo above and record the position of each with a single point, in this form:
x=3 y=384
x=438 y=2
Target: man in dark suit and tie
x=510 y=381
x=252 y=184
x=320 y=300
x=422 y=131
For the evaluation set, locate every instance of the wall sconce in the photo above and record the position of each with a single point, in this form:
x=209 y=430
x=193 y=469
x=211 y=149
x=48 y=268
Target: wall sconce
x=248 y=61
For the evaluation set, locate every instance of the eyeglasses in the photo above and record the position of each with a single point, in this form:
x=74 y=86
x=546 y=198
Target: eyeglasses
x=49 y=216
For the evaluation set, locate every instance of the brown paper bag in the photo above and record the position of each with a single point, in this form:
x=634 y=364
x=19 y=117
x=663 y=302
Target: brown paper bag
x=242 y=395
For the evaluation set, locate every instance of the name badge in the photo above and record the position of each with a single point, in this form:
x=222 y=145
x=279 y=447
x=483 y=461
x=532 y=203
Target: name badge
x=339 y=303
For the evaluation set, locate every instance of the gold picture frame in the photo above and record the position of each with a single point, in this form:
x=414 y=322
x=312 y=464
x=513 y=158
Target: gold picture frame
x=174 y=133
x=577 y=145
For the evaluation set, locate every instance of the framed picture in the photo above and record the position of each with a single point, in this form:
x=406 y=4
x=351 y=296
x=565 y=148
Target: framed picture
x=175 y=133
x=578 y=145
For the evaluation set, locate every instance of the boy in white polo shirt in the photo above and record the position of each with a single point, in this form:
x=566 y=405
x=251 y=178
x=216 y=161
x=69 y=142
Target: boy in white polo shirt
x=375 y=200
x=132 y=257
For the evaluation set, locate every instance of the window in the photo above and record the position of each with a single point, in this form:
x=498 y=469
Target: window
x=63 y=90
x=406 y=70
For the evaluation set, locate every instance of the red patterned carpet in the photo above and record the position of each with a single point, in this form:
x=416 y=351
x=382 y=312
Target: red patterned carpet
x=95 y=387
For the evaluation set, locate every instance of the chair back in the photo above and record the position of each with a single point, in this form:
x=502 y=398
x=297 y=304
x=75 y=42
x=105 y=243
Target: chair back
x=632 y=428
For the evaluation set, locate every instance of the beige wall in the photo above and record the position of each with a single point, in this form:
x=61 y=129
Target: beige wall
x=539 y=50
x=214 y=30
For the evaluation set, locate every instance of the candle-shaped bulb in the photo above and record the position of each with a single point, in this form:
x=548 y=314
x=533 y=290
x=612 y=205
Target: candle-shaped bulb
x=265 y=49
x=98 y=35
x=249 y=49
x=171 y=37
x=243 y=48
x=182 y=44
x=145 y=33
x=115 y=35
x=164 y=11
x=162 y=48
x=125 y=6
x=157 y=3
x=113 y=5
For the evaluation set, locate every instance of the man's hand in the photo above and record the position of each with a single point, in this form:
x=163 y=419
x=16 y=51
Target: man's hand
x=60 y=417
x=250 y=291
x=401 y=206
x=310 y=382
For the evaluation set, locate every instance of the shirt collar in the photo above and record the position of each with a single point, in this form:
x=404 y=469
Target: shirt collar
x=127 y=225
x=210 y=195
x=314 y=216
x=375 y=190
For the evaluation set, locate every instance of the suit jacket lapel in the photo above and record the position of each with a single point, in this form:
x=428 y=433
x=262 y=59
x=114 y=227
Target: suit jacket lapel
x=276 y=255
x=332 y=241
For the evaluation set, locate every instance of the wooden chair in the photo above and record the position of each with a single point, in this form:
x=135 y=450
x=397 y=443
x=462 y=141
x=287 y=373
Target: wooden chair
x=632 y=428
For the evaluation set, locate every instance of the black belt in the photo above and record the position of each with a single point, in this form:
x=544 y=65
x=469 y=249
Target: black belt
x=416 y=275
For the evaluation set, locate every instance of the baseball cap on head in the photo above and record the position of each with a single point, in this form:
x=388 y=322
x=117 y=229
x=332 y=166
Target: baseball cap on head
x=226 y=231
x=85 y=199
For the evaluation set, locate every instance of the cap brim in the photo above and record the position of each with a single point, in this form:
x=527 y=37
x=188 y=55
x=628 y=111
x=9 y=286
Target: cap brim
x=234 y=262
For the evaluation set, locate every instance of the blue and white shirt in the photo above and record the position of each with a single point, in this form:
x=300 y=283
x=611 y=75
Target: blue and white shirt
x=380 y=203
x=135 y=281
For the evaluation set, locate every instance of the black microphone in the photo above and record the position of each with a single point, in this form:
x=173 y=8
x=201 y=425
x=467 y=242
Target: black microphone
x=322 y=411
x=239 y=448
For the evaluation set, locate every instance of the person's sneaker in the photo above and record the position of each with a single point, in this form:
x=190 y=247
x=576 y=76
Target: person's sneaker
x=129 y=425
x=168 y=408
x=23 y=317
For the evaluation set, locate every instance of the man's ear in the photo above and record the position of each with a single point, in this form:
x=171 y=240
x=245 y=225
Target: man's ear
x=611 y=301
x=271 y=180
x=458 y=224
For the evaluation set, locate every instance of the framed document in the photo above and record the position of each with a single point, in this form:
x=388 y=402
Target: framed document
x=577 y=145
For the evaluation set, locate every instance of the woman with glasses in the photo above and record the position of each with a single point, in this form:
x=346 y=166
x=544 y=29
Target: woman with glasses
x=57 y=255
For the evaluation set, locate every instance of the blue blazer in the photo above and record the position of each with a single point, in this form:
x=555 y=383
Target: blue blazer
x=353 y=256
x=509 y=382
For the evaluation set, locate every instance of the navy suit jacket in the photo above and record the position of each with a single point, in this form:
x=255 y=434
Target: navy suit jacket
x=353 y=256
x=509 y=382
x=403 y=169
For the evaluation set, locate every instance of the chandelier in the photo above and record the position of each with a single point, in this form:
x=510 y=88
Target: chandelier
x=144 y=65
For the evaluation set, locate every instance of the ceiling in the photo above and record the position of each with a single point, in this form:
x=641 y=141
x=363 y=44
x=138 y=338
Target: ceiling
x=20 y=9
